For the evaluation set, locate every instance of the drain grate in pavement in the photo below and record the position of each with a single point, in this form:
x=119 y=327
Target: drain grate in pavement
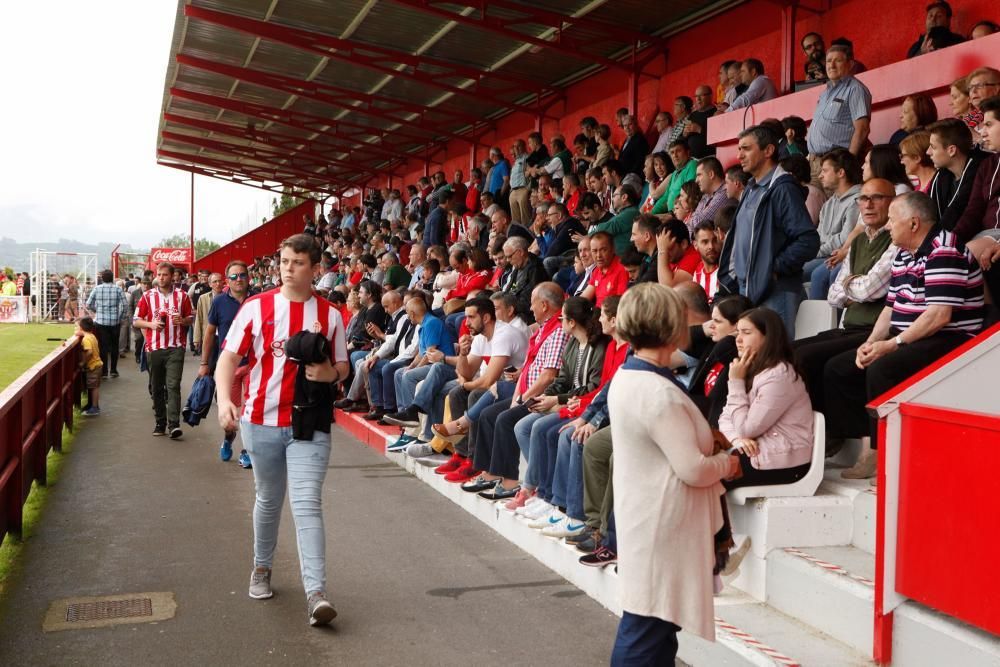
x=98 y=612
x=107 y=609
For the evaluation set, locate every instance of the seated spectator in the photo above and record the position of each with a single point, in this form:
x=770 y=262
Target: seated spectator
x=798 y=167
x=934 y=304
x=710 y=178
x=961 y=106
x=978 y=227
x=859 y=289
x=658 y=168
x=473 y=270
x=527 y=272
x=487 y=204
x=664 y=124
x=635 y=148
x=496 y=452
x=682 y=112
x=501 y=270
x=885 y=161
x=500 y=225
x=392 y=303
x=772 y=236
x=605 y=151
x=571 y=193
x=395 y=276
x=767 y=419
x=395 y=353
x=814 y=49
x=686 y=202
x=577 y=277
x=666 y=485
x=957 y=163
x=842 y=118
x=918 y=164
x=736 y=182
x=633 y=261
x=696 y=131
x=708 y=386
x=564 y=228
x=684 y=172
x=736 y=85
x=580 y=374
x=918 y=111
x=608 y=277
x=708 y=245
x=794 y=140
x=760 y=88
x=620 y=226
x=359 y=338
x=937 y=30
x=676 y=258
x=983 y=83
x=841 y=175
x=984 y=29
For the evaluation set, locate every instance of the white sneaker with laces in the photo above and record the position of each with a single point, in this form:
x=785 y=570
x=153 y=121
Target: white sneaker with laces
x=566 y=528
x=540 y=508
x=419 y=450
x=550 y=519
x=528 y=505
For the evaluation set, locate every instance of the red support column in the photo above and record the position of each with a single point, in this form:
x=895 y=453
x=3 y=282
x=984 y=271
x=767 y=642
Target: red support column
x=788 y=15
x=192 y=220
x=882 y=638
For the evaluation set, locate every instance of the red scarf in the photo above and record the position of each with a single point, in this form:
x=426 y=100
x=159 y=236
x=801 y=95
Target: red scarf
x=534 y=345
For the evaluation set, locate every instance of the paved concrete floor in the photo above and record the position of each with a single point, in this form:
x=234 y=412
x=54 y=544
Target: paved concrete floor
x=416 y=580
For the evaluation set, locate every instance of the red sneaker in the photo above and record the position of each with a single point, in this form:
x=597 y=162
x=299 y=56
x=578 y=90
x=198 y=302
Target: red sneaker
x=463 y=474
x=451 y=465
x=519 y=500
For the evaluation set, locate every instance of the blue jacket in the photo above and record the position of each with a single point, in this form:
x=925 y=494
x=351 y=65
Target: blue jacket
x=199 y=400
x=783 y=239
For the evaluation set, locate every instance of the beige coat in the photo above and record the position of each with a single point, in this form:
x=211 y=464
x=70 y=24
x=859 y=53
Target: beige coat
x=667 y=509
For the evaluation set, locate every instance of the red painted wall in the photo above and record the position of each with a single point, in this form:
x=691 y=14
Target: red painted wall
x=751 y=30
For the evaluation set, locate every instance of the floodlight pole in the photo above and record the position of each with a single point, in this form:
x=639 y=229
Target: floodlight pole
x=192 y=222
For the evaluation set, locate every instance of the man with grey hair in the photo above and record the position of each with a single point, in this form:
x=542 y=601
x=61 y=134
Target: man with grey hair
x=934 y=304
x=204 y=305
x=527 y=271
x=635 y=149
x=843 y=114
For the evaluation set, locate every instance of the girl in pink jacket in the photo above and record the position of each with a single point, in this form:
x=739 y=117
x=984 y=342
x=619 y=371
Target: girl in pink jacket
x=768 y=417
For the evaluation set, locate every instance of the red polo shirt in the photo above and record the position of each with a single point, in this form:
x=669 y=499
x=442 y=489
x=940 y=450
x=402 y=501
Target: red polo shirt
x=689 y=261
x=610 y=281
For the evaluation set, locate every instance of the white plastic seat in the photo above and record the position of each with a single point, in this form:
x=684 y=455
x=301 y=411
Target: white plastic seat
x=804 y=487
x=813 y=317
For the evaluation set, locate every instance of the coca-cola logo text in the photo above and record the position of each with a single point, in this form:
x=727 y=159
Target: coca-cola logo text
x=180 y=255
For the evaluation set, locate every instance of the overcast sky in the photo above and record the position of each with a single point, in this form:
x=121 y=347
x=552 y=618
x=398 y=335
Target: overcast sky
x=82 y=86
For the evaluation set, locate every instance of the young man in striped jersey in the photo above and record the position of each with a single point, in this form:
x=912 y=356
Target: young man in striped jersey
x=260 y=330
x=165 y=313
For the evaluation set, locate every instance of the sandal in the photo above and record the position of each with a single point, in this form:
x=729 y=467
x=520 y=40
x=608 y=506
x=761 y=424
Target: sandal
x=442 y=430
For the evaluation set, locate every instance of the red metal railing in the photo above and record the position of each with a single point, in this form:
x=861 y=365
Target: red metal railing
x=33 y=411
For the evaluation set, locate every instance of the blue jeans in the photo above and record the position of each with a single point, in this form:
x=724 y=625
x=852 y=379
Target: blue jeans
x=822 y=277
x=786 y=304
x=504 y=391
x=280 y=462
x=643 y=641
x=567 y=479
x=406 y=384
x=541 y=460
x=431 y=394
x=358 y=355
x=382 y=385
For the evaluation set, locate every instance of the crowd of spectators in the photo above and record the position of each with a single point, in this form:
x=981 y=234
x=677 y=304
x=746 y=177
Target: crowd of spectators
x=485 y=315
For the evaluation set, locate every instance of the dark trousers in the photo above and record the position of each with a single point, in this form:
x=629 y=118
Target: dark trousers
x=459 y=401
x=165 y=370
x=497 y=451
x=754 y=477
x=644 y=641
x=814 y=352
x=107 y=340
x=849 y=388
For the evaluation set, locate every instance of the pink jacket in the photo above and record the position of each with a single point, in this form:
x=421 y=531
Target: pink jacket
x=776 y=413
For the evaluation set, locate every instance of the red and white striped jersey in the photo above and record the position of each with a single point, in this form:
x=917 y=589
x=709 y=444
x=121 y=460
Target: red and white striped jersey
x=708 y=281
x=155 y=305
x=259 y=332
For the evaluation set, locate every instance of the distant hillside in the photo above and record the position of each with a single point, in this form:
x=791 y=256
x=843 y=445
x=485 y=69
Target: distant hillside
x=16 y=254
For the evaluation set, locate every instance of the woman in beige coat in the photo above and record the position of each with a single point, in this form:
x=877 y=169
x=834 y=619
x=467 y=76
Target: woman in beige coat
x=666 y=486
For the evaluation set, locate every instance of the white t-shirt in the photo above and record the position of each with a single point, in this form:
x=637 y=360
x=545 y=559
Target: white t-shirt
x=508 y=341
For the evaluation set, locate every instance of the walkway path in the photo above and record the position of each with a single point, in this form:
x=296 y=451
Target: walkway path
x=417 y=580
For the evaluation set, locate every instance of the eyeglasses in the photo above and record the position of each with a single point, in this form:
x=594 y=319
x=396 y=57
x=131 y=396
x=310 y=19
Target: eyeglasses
x=979 y=86
x=873 y=199
x=239 y=276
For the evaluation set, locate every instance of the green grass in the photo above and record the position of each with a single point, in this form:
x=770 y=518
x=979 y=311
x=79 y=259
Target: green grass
x=11 y=548
x=23 y=345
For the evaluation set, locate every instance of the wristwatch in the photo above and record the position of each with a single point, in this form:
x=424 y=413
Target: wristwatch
x=899 y=342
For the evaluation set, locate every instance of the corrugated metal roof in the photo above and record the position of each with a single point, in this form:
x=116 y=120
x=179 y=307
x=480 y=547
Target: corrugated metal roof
x=351 y=73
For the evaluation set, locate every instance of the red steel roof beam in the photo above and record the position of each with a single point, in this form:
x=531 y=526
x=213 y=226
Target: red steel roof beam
x=422 y=132
x=561 y=44
x=378 y=58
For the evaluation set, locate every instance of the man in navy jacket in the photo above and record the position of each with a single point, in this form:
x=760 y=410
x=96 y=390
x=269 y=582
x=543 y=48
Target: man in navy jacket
x=772 y=235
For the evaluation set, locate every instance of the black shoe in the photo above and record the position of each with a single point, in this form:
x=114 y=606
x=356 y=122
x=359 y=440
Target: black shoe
x=114 y=374
x=176 y=432
x=479 y=484
x=499 y=493
x=375 y=415
x=408 y=417
x=343 y=404
x=160 y=429
x=580 y=538
x=357 y=407
x=600 y=558
x=589 y=545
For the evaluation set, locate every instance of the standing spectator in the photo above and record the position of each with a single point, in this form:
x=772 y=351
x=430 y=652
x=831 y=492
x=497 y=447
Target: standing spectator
x=499 y=178
x=937 y=30
x=666 y=487
x=134 y=295
x=843 y=114
x=165 y=313
x=92 y=364
x=696 y=131
x=772 y=236
x=760 y=88
x=107 y=303
x=203 y=307
x=635 y=148
x=283 y=456
x=437 y=221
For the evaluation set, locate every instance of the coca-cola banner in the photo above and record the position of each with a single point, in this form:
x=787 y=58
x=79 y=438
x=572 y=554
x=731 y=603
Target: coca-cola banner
x=180 y=257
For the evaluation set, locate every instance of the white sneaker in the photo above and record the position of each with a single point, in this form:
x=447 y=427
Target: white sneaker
x=566 y=528
x=419 y=450
x=539 y=509
x=550 y=519
x=529 y=505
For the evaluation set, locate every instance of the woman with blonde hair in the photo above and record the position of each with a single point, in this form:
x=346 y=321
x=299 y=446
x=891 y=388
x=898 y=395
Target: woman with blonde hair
x=666 y=486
